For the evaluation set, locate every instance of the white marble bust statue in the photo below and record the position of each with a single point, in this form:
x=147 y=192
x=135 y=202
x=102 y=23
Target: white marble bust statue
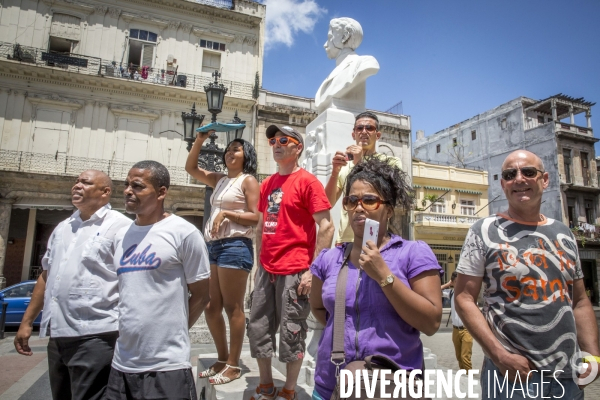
x=345 y=85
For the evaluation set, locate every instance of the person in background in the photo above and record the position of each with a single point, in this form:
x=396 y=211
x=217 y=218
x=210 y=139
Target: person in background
x=228 y=234
x=393 y=286
x=462 y=339
x=365 y=133
x=78 y=292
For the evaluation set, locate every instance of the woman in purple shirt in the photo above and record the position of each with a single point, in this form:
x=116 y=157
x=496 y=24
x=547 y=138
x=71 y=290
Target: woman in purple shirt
x=393 y=290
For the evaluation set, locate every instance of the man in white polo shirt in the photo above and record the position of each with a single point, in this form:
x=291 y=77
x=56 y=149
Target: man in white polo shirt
x=163 y=269
x=78 y=292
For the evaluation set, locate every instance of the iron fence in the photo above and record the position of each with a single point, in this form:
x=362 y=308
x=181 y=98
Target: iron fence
x=63 y=165
x=88 y=65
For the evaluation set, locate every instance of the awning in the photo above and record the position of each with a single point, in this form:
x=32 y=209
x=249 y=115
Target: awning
x=468 y=191
x=416 y=186
x=442 y=189
x=43 y=204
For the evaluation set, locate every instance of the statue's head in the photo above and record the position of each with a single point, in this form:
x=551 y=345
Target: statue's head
x=343 y=32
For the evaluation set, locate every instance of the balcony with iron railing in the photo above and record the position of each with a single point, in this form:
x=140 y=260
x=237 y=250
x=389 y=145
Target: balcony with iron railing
x=60 y=164
x=87 y=65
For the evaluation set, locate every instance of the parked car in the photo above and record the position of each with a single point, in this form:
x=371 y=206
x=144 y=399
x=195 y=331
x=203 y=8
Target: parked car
x=18 y=297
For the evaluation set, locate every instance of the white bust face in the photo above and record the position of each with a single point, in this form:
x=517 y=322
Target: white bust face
x=334 y=45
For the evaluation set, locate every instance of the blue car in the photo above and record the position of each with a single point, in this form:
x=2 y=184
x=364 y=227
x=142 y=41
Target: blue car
x=18 y=297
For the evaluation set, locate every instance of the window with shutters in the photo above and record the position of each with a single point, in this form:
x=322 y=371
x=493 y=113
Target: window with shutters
x=467 y=207
x=210 y=62
x=439 y=206
x=142 y=48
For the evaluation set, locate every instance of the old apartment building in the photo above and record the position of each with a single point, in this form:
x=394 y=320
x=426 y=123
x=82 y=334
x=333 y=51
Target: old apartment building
x=448 y=200
x=102 y=84
x=559 y=130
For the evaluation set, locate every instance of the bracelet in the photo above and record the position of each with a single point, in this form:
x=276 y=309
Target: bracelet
x=592 y=359
x=237 y=221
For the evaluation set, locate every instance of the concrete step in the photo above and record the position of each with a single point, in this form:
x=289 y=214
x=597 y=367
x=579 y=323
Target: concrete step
x=243 y=388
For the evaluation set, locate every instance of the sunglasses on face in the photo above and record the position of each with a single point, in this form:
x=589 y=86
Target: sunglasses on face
x=282 y=140
x=368 y=128
x=526 y=172
x=368 y=202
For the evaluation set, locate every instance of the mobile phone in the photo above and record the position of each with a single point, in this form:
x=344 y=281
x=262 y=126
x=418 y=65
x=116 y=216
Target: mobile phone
x=350 y=156
x=371 y=231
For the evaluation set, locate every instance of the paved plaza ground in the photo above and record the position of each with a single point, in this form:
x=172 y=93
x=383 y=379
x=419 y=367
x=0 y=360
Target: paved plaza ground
x=26 y=378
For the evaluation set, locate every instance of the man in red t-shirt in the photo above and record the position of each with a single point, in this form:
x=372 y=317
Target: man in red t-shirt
x=291 y=201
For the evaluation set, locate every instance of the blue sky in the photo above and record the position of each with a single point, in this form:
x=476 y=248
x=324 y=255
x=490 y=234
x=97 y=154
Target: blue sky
x=446 y=60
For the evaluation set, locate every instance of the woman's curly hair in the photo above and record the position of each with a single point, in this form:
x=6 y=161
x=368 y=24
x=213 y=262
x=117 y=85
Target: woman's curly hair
x=388 y=180
x=250 y=159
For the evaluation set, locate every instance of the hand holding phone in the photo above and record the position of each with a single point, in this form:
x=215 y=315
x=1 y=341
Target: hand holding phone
x=371 y=231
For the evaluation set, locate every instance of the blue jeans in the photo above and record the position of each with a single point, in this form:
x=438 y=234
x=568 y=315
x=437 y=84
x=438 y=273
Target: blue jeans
x=497 y=389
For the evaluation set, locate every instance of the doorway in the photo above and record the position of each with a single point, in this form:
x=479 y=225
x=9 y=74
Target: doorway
x=590 y=279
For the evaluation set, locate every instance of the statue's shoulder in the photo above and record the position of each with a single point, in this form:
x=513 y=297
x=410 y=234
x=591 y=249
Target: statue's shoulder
x=367 y=62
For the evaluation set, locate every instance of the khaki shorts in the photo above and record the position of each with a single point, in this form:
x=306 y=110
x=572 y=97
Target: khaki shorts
x=277 y=305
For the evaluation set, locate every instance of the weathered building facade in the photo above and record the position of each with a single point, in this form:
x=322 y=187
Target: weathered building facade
x=547 y=128
x=102 y=84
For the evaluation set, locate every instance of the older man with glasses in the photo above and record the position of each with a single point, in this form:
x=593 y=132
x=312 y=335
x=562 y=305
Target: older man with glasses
x=537 y=324
x=365 y=133
x=291 y=202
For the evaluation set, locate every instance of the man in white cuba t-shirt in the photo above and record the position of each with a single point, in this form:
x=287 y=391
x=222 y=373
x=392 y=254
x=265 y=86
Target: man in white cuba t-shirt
x=78 y=292
x=159 y=259
x=536 y=319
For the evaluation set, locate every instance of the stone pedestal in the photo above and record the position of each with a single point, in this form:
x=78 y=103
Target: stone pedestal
x=331 y=131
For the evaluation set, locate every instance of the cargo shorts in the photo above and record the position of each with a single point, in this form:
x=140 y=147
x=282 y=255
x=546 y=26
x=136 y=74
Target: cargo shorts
x=277 y=305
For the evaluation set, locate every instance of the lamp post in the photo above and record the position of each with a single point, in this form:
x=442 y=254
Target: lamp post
x=211 y=155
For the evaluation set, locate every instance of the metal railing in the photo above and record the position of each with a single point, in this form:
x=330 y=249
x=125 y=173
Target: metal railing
x=88 y=65
x=61 y=164
x=444 y=218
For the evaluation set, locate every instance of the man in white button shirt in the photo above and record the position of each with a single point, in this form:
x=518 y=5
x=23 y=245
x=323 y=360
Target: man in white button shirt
x=163 y=269
x=78 y=292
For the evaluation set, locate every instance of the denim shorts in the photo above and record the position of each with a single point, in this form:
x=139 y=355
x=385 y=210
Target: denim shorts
x=235 y=253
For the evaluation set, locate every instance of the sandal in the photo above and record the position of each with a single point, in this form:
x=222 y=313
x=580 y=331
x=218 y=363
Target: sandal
x=285 y=394
x=220 y=379
x=211 y=371
x=262 y=395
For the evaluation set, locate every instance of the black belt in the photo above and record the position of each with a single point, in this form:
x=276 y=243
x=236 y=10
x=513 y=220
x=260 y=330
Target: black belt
x=460 y=328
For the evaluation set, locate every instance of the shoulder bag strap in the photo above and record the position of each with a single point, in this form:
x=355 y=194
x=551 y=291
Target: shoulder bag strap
x=338 y=355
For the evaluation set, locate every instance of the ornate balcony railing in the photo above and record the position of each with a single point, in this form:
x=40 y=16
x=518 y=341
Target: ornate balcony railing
x=88 y=65
x=61 y=164
x=445 y=218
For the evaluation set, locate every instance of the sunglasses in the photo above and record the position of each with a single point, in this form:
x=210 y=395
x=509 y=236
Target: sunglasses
x=526 y=172
x=282 y=140
x=368 y=128
x=368 y=202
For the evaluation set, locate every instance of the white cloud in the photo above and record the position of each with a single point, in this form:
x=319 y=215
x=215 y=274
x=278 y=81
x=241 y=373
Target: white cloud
x=285 y=18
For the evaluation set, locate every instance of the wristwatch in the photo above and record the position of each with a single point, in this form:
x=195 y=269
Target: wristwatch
x=387 y=281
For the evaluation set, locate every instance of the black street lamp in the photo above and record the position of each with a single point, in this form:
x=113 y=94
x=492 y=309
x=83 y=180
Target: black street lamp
x=215 y=94
x=191 y=122
x=211 y=155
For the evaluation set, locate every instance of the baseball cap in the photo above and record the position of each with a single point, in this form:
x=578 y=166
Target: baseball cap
x=286 y=130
